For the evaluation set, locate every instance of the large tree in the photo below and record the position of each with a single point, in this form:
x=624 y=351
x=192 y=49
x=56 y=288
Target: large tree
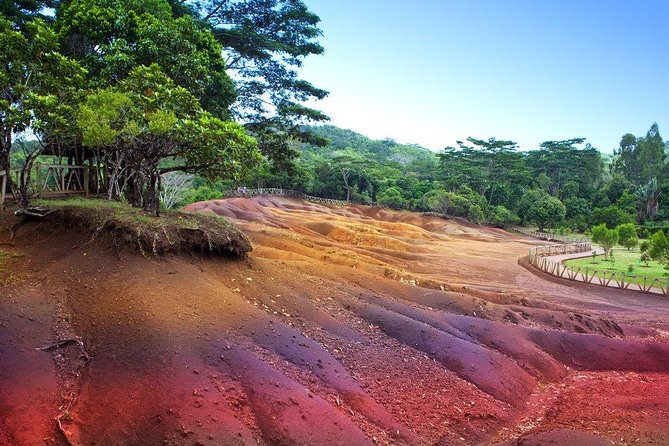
x=147 y=126
x=34 y=77
x=112 y=37
x=264 y=43
x=19 y=12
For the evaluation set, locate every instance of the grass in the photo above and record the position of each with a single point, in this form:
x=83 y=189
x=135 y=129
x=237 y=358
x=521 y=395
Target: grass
x=172 y=232
x=6 y=274
x=622 y=258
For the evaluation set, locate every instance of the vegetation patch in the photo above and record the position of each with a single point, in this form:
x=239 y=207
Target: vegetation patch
x=622 y=261
x=134 y=229
x=6 y=273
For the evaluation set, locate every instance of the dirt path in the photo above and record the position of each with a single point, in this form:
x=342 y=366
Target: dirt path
x=345 y=326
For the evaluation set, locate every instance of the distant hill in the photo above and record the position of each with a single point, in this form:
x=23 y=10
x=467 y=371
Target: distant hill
x=379 y=150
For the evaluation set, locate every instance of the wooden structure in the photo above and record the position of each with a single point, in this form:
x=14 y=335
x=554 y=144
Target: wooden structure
x=540 y=257
x=550 y=237
x=271 y=191
x=54 y=180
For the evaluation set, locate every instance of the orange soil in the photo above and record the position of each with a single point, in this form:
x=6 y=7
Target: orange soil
x=346 y=325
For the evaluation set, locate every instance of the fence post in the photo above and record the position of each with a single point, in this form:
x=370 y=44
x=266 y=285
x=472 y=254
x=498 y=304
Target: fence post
x=3 y=186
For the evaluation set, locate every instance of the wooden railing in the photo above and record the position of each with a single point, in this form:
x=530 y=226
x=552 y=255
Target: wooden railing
x=53 y=179
x=550 y=237
x=267 y=191
x=540 y=257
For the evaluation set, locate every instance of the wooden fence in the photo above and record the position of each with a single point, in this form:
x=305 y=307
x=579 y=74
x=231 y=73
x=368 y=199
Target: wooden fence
x=550 y=237
x=54 y=179
x=266 y=191
x=540 y=257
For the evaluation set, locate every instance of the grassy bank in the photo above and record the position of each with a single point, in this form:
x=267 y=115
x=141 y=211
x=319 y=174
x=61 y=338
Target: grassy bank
x=622 y=258
x=134 y=229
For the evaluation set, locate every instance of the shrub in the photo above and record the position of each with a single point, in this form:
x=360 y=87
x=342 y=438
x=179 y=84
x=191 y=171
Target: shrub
x=645 y=246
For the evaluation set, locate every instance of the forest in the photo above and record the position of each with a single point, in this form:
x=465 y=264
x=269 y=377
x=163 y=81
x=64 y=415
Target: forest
x=219 y=104
x=566 y=185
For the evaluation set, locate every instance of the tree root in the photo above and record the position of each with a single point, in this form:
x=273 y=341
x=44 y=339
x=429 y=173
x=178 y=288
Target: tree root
x=70 y=399
x=34 y=212
x=65 y=342
x=65 y=412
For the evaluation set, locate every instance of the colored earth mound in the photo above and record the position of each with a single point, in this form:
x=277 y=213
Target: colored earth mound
x=345 y=325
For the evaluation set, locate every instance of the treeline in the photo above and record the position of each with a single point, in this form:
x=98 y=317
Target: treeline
x=143 y=91
x=562 y=184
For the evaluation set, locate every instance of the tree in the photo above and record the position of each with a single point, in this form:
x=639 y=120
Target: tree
x=502 y=217
x=146 y=120
x=347 y=162
x=649 y=197
x=174 y=186
x=612 y=216
x=652 y=154
x=391 y=197
x=111 y=38
x=562 y=162
x=627 y=236
x=540 y=208
x=34 y=79
x=20 y=12
x=659 y=247
x=605 y=237
x=264 y=42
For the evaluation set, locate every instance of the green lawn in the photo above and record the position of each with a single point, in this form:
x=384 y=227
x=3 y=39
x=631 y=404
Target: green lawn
x=622 y=258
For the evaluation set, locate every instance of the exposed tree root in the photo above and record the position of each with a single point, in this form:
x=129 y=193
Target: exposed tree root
x=34 y=212
x=70 y=399
x=65 y=342
x=65 y=413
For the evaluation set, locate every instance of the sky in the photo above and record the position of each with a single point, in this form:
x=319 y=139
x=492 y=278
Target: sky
x=432 y=72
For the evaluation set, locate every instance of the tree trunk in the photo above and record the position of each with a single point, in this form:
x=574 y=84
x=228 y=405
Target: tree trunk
x=151 y=198
x=5 y=149
x=133 y=191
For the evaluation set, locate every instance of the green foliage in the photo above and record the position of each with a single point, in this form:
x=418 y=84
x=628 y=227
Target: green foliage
x=111 y=38
x=611 y=216
x=38 y=84
x=147 y=119
x=627 y=236
x=538 y=207
x=644 y=246
x=605 y=237
x=475 y=213
x=502 y=217
x=659 y=247
x=264 y=43
x=391 y=197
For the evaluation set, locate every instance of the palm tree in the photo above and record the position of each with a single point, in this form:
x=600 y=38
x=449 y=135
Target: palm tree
x=649 y=198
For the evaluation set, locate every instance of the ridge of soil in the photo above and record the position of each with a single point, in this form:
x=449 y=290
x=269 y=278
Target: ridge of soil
x=345 y=325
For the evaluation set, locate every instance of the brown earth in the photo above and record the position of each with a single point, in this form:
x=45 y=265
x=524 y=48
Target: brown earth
x=345 y=325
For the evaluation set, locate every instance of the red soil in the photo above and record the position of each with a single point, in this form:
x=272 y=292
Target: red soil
x=346 y=325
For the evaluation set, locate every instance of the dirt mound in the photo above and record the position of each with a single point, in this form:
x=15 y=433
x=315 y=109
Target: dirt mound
x=345 y=325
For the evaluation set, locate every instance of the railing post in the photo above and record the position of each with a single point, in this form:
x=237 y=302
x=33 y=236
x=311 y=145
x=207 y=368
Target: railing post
x=86 y=175
x=3 y=186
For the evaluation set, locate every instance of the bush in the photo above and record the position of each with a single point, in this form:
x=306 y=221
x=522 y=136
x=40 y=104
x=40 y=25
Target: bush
x=475 y=214
x=501 y=217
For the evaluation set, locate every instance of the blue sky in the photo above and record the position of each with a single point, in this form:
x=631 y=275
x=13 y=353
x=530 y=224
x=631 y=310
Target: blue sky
x=432 y=72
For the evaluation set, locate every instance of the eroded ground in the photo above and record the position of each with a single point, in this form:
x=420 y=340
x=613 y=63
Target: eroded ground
x=345 y=326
